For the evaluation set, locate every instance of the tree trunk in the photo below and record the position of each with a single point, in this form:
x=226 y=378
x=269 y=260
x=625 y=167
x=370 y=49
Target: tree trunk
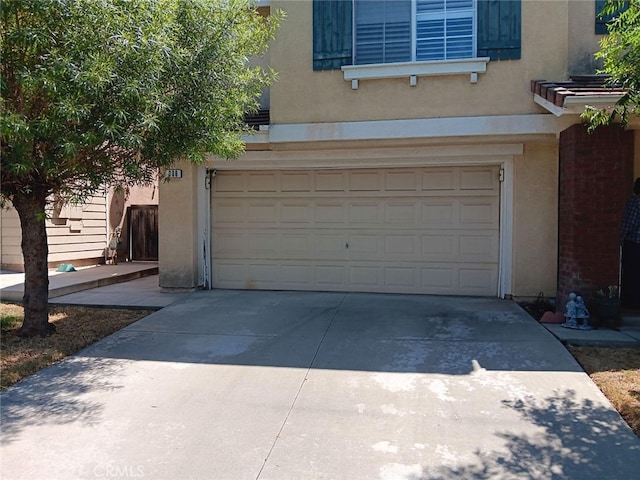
x=35 y=251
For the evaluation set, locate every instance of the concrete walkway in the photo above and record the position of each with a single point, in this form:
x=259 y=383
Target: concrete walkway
x=84 y=278
x=628 y=335
x=282 y=385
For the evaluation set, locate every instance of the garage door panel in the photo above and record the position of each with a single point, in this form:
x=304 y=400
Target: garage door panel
x=477 y=281
x=440 y=180
x=364 y=181
x=229 y=212
x=262 y=212
x=229 y=243
x=264 y=275
x=364 y=214
x=297 y=245
x=478 y=178
x=483 y=212
x=424 y=230
x=296 y=182
x=477 y=248
x=330 y=246
x=296 y=212
x=439 y=246
x=401 y=213
x=363 y=245
x=400 y=246
x=231 y=182
x=330 y=212
x=365 y=278
x=230 y=274
x=262 y=182
x=399 y=278
x=297 y=277
x=331 y=277
x=438 y=279
x=439 y=213
x=401 y=181
x=263 y=243
x=331 y=181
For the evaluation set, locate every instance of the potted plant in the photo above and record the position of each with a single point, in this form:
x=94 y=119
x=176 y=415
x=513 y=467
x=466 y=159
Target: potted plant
x=608 y=304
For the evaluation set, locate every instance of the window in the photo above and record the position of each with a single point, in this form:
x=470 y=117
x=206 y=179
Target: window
x=383 y=31
x=365 y=32
x=389 y=31
x=445 y=29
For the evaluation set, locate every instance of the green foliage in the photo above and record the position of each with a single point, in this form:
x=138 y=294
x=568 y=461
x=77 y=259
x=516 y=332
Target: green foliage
x=106 y=92
x=8 y=322
x=620 y=54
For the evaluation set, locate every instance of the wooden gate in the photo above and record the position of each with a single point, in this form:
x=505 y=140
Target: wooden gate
x=143 y=232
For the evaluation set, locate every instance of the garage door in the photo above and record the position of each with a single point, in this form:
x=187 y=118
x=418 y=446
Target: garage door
x=413 y=230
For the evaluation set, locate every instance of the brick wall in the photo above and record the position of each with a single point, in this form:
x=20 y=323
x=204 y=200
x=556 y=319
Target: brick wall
x=596 y=179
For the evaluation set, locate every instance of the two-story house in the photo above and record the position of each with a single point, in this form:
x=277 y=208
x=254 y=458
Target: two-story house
x=414 y=146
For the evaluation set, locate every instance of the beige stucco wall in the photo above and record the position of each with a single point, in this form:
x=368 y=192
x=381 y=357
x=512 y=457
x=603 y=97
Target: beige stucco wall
x=558 y=39
x=302 y=95
x=177 y=225
x=583 y=42
x=535 y=222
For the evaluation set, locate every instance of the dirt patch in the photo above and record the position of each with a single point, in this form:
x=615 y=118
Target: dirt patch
x=76 y=328
x=616 y=371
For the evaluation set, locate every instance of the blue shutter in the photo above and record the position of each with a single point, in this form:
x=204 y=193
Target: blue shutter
x=499 y=29
x=601 y=22
x=332 y=34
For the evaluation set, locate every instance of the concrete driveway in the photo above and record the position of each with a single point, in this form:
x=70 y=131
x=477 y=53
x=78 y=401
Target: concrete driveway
x=293 y=386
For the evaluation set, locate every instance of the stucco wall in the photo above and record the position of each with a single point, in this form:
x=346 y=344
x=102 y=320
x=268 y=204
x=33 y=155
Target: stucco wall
x=583 y=42
x=535 y=222
x=177 y=224
x=302 y=95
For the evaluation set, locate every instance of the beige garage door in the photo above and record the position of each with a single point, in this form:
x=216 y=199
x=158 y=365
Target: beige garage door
x=413 y=230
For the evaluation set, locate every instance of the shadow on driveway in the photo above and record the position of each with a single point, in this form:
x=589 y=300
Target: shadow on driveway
x=284 y=385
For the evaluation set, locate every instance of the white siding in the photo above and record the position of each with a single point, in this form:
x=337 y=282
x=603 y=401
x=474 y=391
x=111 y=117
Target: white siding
x=75 y=233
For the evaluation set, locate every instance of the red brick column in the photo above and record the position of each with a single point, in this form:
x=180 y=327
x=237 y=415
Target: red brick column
x=596 y=179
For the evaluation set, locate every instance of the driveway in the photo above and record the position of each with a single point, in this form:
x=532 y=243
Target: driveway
x=292 y=386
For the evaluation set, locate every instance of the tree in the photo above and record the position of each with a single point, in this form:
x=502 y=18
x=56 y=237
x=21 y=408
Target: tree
x=106 y=92
x=620 y=54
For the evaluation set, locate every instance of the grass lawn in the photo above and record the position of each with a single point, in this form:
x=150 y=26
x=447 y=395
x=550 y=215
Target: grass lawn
x=76 y=327
x=616 y=371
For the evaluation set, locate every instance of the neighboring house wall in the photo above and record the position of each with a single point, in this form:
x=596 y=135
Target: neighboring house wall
x=320 y=122
x=76 y=234
x=120 y=202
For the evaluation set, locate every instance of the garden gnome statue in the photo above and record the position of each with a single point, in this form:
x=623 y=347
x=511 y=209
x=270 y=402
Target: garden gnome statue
x=582 y=314
x=571 y=312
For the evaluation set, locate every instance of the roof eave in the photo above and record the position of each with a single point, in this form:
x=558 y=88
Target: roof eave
x=576 y=105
